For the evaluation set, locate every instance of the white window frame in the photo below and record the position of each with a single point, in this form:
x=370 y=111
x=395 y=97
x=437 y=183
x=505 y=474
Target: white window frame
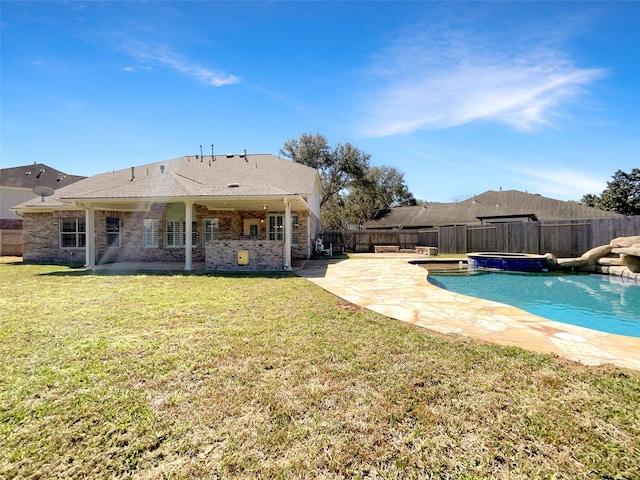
x=150 y=237
x=113 y=232
x=178 y=229
x=78 y=234
x=295 y=229
x=210 y=229
x=275 y=230
x=173 y=233
x=175 y=227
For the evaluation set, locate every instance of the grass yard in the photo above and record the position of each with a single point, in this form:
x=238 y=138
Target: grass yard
x=203 y=376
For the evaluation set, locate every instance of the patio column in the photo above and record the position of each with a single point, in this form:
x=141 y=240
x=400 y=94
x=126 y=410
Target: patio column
x=287 y=235
x=90 y=238
x=188 y=247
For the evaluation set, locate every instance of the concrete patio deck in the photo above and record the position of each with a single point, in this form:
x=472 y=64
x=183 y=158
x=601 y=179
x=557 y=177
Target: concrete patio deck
x=390 y=285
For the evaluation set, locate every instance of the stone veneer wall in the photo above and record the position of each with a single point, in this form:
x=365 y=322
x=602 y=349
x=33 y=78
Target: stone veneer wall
x=42 y=242
x=263 y=255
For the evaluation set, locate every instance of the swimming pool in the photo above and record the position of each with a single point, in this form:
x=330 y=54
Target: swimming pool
x=600 y=302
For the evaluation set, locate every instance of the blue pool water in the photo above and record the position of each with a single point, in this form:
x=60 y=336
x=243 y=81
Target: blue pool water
x=600 y=302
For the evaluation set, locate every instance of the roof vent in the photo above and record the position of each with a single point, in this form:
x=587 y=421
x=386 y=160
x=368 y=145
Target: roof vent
x=233 y=185
x=229 y=155
x=161 y=168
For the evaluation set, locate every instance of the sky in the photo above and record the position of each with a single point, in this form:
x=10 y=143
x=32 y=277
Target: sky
x=461 y=97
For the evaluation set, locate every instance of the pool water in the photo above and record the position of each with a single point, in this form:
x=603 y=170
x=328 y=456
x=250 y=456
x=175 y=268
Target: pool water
x=600 y=302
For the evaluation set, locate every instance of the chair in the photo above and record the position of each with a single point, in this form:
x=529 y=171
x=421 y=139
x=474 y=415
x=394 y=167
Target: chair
x=322 y=250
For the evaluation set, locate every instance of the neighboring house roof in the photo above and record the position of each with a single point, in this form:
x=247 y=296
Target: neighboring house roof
x=222 y=176
x=491 y=204
x=34 y=175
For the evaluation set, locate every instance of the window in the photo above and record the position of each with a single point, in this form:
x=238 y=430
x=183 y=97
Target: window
x=275 y=228
x=175 y=232
x=275 y=231
x=210 y=230
x=251 y=227
x=295 y=236
x=194 y=234
x=150 y=233
x=113 y=232
x=73 y=233
x=175 y=228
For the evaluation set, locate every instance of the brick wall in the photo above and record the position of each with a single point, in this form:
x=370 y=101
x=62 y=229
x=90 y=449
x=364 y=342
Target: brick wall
x=42 y=242
x=263 y=255
x=41 y=238
x=131 y=245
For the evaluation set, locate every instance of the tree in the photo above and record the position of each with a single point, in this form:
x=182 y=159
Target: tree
x=338 y=167
x=590 y=200
x=622 y=195
x=334 y=216
x=353 y=191
x=382 y=188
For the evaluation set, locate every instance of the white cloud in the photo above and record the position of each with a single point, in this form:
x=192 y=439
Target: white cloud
x=131 y=69
x=563 y=183
x=439 y=78
x=161 y=55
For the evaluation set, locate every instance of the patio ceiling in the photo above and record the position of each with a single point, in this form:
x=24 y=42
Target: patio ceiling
x=267 y=204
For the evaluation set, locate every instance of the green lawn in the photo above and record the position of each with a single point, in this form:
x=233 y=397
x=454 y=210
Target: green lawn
x=203 y=376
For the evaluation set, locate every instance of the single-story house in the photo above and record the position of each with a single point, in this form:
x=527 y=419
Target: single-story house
x=233 y=212
x=16 y=186
x=487 y=208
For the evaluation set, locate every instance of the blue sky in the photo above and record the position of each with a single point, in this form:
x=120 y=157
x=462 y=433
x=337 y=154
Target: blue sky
x=462 y=98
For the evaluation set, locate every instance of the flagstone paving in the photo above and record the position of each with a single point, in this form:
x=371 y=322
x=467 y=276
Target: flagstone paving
x=390 y=285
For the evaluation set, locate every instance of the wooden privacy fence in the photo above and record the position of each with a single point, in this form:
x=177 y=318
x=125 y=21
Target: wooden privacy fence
x=563 y=239
x=11 y=242
x=362 y=241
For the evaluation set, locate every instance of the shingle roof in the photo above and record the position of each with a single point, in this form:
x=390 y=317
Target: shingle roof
x=488 y=204
x=34 y=175
x=190 y=177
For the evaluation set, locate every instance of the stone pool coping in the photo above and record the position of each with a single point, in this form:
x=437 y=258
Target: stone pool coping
x=390 y=285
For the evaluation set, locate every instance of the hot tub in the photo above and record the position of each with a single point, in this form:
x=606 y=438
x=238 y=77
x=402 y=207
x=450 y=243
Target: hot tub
x=514 y=262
